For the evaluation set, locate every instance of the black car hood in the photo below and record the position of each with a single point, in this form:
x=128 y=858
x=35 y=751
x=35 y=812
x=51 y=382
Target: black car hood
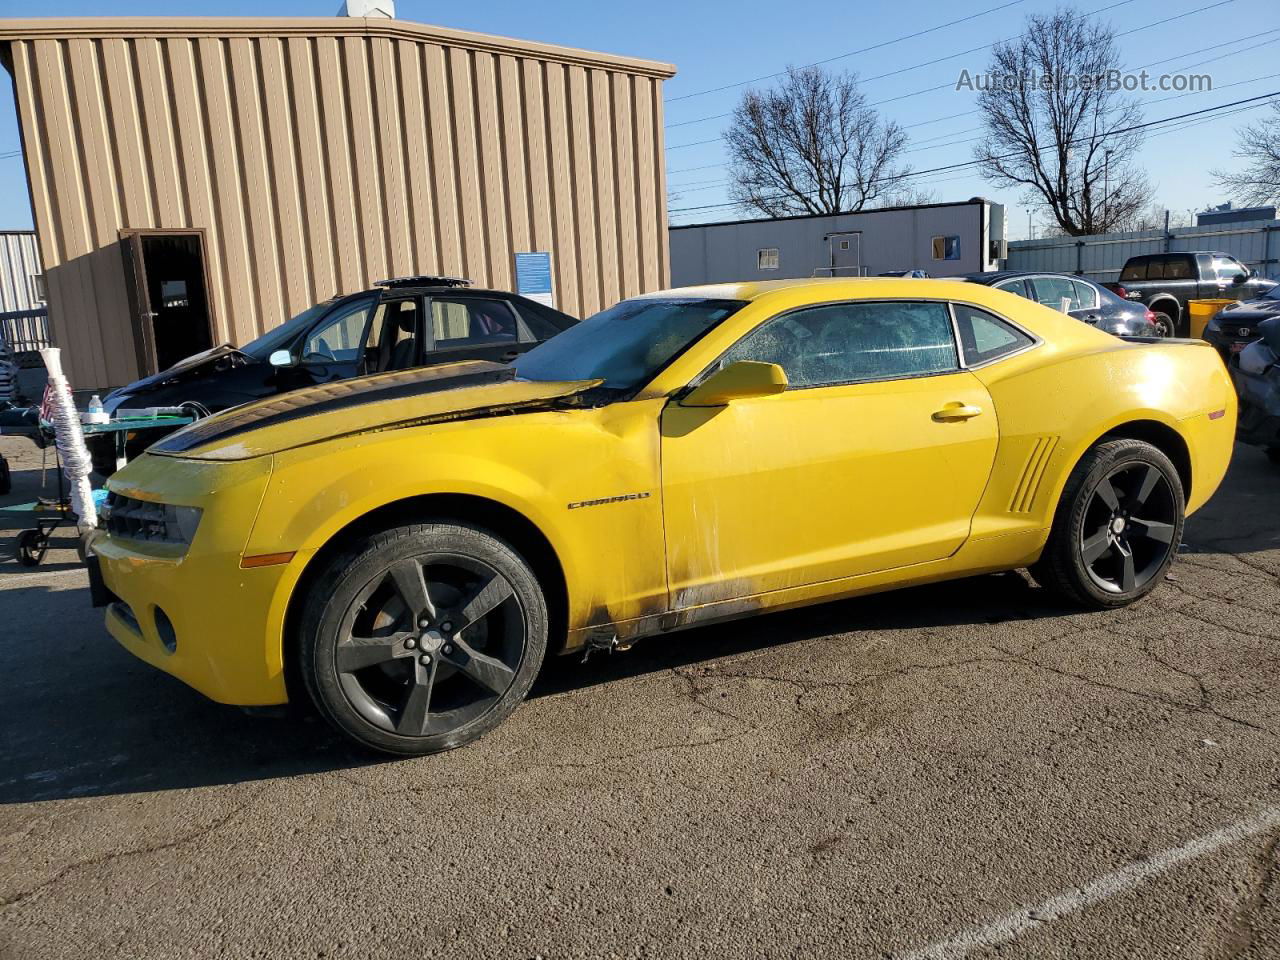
x=182 y=370
x=1250 y=313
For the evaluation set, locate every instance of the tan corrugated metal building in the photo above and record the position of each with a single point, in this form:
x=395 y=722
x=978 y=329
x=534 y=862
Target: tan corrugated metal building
x=282 y=161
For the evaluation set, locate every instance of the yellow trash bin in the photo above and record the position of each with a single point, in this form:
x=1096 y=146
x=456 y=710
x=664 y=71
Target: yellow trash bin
x=1202 y=312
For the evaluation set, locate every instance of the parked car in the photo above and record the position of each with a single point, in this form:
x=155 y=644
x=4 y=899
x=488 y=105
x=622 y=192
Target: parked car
x=1089 y=302
x=408 y=548
x=1257 y=378
x=372 y=331
x=1233 y=328
x=1164 y=282
x=917 y=274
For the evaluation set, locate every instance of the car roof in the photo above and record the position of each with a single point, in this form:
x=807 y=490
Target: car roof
x=870 y=287
x=995 y=276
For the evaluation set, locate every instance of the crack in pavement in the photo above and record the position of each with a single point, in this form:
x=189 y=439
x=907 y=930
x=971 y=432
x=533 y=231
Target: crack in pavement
x=64 y=872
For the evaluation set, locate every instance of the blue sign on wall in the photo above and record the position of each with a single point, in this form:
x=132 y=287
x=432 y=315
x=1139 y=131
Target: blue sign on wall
x=533 y=277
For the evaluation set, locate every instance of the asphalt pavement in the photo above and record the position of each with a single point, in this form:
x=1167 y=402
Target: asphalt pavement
x=968 y=769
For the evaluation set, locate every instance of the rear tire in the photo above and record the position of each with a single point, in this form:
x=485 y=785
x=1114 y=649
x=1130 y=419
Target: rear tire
x=1273 y=454
x=1165 y=325
x=422 y=638
x=1117 y=527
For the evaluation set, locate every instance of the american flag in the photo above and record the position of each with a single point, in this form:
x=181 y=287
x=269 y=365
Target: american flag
x=46 y=404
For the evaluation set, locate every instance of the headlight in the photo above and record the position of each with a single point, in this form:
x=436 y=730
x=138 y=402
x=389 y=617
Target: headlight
x=152 y=522
x=1256 y=358
x=1213 y=324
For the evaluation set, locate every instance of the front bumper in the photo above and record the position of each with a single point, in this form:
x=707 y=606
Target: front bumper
x=194 y=612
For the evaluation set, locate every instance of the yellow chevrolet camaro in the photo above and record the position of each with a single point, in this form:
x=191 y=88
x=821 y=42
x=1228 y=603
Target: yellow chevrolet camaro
x=407 y=548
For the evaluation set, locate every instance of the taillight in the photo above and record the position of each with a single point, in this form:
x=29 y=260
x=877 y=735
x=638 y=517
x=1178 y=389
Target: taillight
x=1120 y=291
x=1151 y=319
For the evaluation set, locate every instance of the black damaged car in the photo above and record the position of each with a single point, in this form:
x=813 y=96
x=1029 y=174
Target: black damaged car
x=1233 y=328
x=402 y=323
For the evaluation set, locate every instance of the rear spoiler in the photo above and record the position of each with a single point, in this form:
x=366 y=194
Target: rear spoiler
x=1136 y=339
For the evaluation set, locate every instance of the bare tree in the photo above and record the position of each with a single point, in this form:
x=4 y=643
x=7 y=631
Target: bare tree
x=1259 y=147
x=814 y=146
x=1052 y=123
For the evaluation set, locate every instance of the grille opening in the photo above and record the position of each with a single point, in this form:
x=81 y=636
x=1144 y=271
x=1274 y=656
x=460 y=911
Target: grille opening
x=164 y=628
x=125 y=613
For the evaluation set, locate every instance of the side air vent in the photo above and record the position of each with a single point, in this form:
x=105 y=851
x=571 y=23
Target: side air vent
x=1024 y=494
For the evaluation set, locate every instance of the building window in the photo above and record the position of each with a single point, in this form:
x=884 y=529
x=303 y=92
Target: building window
x=946 y=248
x=844 y=244
x=767 y=259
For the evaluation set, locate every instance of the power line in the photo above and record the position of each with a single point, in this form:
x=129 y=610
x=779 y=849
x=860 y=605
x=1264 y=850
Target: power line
x=972 y=163
x=852 y=53
x=988 y=46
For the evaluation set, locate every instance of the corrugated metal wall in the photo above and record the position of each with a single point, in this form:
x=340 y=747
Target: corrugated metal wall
x=323 y=155
x=1101 y=257
x=19 y=264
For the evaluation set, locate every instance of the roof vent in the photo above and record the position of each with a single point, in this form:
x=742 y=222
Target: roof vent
x=369 y=8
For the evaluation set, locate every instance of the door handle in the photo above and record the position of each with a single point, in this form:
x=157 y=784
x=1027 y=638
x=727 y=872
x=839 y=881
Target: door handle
x=956 y=411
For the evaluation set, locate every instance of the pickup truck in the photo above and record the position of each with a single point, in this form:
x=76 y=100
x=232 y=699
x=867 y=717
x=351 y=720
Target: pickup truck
x=1164 y=282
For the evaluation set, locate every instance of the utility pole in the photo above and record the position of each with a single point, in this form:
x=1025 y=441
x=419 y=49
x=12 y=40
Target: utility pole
x=1106 y=189
x=1031 y=231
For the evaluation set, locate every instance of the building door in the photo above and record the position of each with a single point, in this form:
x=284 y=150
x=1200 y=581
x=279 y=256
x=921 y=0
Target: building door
x=168 y=293
x=845 y=254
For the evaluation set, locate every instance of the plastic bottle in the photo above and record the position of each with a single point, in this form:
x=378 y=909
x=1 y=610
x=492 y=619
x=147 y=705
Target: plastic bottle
x=96 y=413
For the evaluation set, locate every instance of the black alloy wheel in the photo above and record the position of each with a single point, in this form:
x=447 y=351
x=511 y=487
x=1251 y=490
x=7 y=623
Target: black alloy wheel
x=1117 y=527
x=1128 y=528
x=426 y=640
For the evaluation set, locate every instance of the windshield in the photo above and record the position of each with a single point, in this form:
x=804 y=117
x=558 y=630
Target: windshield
x=280 y=337
x=626 y=345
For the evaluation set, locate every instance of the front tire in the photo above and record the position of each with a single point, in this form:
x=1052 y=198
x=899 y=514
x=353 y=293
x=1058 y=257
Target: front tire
x=1117 y=526
x=422 y=638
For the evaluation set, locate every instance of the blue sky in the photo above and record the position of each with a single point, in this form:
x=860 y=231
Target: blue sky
x=719 y=42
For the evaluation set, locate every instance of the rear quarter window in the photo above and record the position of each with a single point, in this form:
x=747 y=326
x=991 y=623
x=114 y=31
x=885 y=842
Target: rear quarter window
x=984 y=337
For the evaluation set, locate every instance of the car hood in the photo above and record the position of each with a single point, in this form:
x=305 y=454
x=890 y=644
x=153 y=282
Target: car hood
x=1250 y=312
x=187 y=369
x=386 y=401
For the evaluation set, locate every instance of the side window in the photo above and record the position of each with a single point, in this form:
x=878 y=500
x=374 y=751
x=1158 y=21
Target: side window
x=1086 y=295
x=471 y=322
x=985 y=337
x=1051 y=291
x=851 y=342
x=1017 y=286
x=339 y=337
x=1178 y=268
x=539 y=326
x=1228 y=268
x=946 y=248
x=1134 y=270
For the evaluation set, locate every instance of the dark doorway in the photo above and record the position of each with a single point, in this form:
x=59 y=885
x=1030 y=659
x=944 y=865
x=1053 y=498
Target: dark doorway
x=169 y=296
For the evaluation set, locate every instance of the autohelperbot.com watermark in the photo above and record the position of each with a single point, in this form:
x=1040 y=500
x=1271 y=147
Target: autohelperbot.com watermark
x=1140 y=81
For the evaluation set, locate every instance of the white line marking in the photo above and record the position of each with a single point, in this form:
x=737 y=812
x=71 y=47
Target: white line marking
x=1009 y=927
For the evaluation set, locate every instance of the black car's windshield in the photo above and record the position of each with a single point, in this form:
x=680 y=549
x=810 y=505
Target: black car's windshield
x=626 y=345
x=279 y=337
x=1273 y=293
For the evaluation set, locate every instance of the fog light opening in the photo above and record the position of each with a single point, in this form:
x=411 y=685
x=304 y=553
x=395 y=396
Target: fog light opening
x=164 y=629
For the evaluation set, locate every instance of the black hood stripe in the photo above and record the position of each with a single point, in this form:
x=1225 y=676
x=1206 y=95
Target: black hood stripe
x=329 y=397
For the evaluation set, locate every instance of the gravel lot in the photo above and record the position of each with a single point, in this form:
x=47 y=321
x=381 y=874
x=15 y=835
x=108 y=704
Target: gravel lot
x=965 y=769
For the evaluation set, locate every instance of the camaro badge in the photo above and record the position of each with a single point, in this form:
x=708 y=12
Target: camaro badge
x=618 y=499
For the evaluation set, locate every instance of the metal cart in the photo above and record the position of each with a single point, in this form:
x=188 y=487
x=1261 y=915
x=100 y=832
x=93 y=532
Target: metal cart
x=33 y=543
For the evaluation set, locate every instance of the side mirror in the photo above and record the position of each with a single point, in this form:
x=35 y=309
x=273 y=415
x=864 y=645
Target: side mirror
x=746 y=378
x=1239 y=278
x=281 y=358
